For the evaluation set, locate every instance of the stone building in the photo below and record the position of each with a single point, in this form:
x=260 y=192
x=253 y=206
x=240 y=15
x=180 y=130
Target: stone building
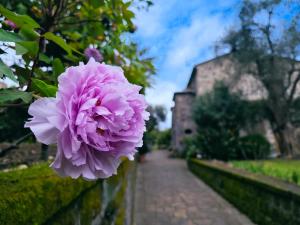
x=202 y=80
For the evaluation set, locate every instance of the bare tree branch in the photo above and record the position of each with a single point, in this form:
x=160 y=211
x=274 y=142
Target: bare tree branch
x=294 y=88
x=14 y=145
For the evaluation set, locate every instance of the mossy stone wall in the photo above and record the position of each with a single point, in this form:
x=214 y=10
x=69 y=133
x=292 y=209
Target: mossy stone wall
x=38 y=196
x=265 y=200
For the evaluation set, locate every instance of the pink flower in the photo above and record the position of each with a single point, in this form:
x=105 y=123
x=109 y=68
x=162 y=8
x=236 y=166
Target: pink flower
x=11 y=24
x=96 y=118
x=93 y=53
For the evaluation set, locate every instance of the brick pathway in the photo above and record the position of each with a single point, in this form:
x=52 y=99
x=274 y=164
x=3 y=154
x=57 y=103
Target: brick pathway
x=168 y=194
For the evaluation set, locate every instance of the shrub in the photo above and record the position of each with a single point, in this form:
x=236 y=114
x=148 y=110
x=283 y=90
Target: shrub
x=190 y=148
x=254 y=146
x=164 y=138
x=220 y=116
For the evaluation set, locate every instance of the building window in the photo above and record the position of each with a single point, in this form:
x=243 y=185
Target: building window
x=188 y=131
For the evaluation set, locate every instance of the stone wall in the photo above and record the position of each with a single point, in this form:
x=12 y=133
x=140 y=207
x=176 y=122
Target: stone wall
x=221 y=69
x=264 y=200
x=37 y=195
x=182 y=122
x=202 y=80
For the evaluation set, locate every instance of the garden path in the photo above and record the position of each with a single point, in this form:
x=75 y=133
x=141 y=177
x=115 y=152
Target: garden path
x=168 y=194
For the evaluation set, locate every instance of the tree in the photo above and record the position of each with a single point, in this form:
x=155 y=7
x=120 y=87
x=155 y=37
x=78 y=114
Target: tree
x=157 y=115
x=164 y=139
x=220 y=117
x=268 y=50
x=48 y=36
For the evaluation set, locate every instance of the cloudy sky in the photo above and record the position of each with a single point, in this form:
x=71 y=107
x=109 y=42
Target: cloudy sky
x=180 y=34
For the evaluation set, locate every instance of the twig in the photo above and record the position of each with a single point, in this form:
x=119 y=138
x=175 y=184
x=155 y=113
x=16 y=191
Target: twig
x=35 y=62
x=3 y=152
x=13 y=105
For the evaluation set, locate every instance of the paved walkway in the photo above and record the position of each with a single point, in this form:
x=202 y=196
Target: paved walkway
x=168 y=194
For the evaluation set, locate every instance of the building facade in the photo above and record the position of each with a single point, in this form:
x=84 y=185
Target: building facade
x=202 y=80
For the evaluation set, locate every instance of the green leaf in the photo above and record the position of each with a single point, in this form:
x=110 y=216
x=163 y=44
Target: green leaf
x=5 y=70
x=7 y=36
x=32 y=47
x=19 y=20
x=23 y=74
x=20 y=50
x=45 y=58
x=128 y=14
x=46 y=90
x=72 y=35
x=58 y=67
x=71 y=58
x=28 y=33
x=59 y=41
x=97 y=3
x=13 y=94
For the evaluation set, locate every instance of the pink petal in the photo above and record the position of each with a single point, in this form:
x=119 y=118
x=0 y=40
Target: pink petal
x=45 y=120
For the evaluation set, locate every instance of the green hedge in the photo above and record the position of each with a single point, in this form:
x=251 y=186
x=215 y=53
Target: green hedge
x=265 y=200
x=32 y=196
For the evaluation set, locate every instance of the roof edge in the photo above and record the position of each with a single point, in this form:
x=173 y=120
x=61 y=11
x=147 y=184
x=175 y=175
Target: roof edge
x=199 y=64
x=189 y=92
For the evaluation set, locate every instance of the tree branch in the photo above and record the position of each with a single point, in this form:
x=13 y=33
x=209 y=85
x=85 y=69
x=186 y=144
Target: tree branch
x=79 y=22
x=290 y=73
x=14 y=145
x=294 y=88
x=13 y=105
x=35 y=62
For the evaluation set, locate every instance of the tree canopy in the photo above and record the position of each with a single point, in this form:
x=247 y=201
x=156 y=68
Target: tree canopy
x=221 y=117
x=265 y=44
x=48 y=36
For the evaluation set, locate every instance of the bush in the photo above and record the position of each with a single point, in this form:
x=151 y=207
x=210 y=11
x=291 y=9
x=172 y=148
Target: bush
x=190 y=148
x=220 y=116
x=254 y=146
x=163 y=139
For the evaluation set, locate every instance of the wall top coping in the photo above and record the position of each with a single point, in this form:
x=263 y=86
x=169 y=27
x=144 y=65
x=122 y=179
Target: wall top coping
x=268 y=182
x=185 y=92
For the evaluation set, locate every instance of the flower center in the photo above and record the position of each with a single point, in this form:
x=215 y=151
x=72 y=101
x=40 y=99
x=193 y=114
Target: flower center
x=100 y=131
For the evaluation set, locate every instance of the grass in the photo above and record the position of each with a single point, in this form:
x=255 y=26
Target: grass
x=287 y=170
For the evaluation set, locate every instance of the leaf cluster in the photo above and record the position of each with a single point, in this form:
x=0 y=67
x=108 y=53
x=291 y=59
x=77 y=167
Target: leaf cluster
x=221 y=117
x=50 y=36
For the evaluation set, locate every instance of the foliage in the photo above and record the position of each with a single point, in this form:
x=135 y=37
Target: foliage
x=268 y=50
x=152 y=134
x=158 y=114
x=254 y=146
x=49 y=36
x=220 y=117
x=288 y=170
x=163 y=139
x=12 y=117
x=190 y=148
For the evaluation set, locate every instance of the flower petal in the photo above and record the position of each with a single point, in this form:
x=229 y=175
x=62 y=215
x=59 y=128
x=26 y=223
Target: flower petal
x=44 y=123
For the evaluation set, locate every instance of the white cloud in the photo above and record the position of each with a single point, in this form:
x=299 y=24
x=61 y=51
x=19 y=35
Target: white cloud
x=179 y=34
x=191 y=40
x=152 y=23
x=190 y=45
